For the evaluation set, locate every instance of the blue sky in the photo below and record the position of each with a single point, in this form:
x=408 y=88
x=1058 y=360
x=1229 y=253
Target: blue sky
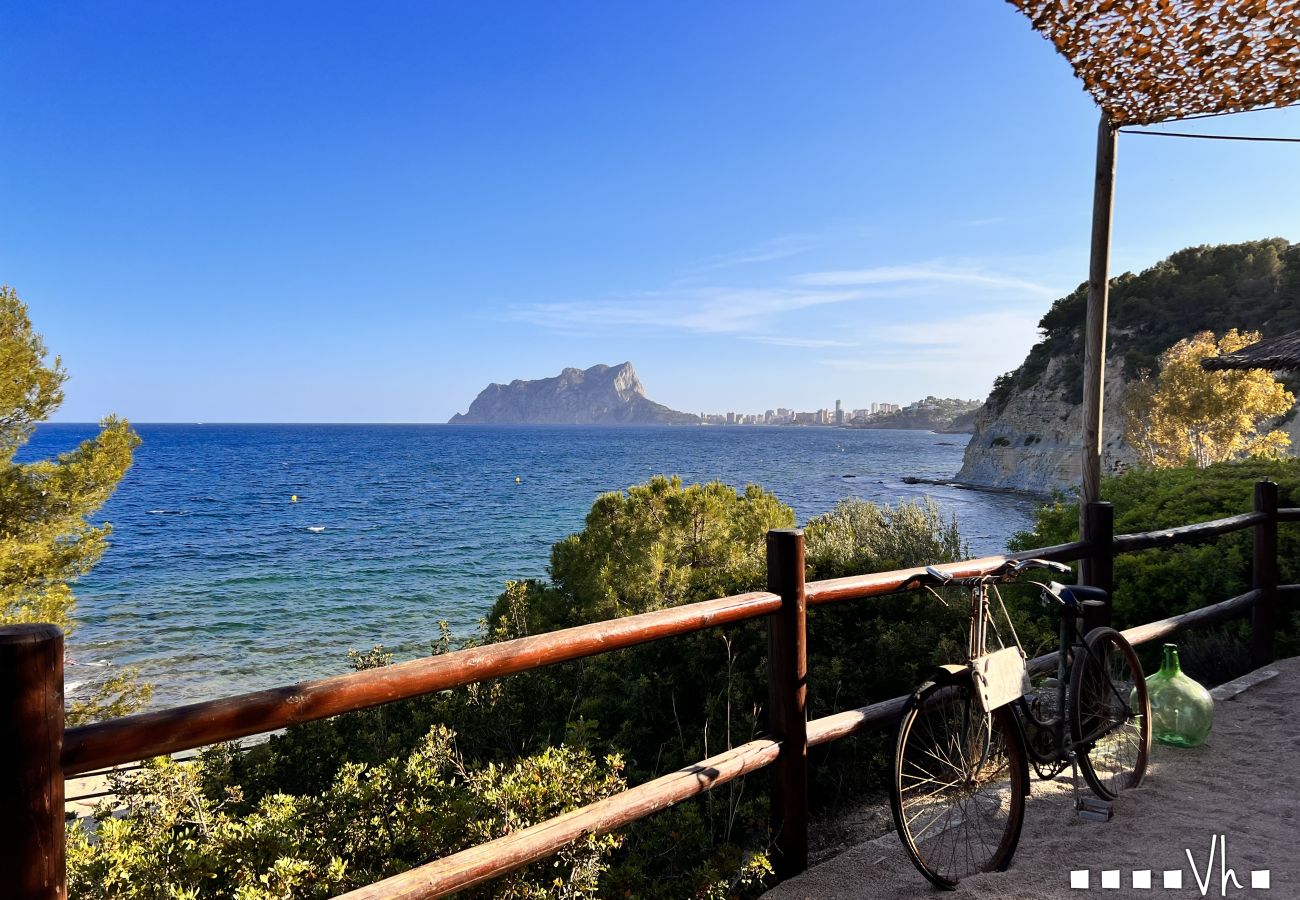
x=366 y=212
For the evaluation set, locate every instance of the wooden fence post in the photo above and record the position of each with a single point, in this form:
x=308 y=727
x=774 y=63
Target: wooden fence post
x=1099 y=571
x=1263 y=615
x=31 y=771
x=787 y=678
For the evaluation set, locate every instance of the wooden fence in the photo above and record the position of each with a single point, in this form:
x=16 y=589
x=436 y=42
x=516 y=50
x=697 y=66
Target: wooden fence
x=37 y=754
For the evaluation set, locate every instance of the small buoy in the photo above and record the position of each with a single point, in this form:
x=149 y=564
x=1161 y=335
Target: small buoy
x=293 y=498
x=518 y=480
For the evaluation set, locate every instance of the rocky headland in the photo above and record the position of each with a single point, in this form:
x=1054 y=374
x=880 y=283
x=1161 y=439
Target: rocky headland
x=1028 y=435
x=941 y=415
x=601 y=395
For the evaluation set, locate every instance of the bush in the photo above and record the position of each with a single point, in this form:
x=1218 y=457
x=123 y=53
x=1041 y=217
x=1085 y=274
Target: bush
x=1158 y=583
x=317 y=809
x=189 y=832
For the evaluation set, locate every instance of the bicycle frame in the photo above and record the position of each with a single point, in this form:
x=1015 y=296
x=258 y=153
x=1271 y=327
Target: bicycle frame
x=1069 y=639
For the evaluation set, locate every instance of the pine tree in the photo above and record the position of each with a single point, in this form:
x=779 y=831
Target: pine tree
x=46 y=538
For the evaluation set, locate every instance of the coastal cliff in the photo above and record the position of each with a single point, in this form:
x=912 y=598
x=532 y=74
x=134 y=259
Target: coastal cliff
x=1034 y=443
x=601 y=395
x=1028 y=435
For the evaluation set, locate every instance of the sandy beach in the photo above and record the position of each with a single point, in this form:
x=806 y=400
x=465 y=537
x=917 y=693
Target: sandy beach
x=1241 y=787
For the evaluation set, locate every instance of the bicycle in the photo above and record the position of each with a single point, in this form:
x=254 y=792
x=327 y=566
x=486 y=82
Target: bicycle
x=968 y=735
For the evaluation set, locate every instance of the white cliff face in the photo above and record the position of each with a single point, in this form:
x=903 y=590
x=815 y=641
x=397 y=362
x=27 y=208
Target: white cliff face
x=627 y=386
x=1035 y=442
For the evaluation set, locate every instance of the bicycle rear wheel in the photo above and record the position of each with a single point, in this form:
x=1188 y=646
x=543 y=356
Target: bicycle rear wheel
x=959 y=785
x=1110 y=714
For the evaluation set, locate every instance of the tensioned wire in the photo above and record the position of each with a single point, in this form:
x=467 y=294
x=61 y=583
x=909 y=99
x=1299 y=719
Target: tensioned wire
x=1212 y=137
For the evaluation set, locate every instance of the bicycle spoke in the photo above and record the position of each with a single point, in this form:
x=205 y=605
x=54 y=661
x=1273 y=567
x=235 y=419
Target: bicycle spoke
x=1109 y=718
x=958 y=801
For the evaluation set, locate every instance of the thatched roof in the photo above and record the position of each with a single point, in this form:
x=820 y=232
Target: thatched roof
x=1277 y=353
x=1148 y=61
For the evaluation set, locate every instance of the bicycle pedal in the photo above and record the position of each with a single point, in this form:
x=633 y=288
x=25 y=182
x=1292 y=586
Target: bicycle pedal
x=1094 y=810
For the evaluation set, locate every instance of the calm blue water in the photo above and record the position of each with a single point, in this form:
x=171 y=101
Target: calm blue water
x=215 y=582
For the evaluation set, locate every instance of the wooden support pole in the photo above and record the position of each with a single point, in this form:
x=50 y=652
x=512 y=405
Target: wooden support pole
x=1094 y=346
x=787 y=674
x=1099 y=570
x=1264 y=614
x=31 y=771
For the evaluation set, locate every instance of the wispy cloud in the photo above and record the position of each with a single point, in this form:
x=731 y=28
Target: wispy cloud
x=767 y=314
x=704 y=310
x=811 y=343
x=973 y=342
x=925 y=273
x=781 y=247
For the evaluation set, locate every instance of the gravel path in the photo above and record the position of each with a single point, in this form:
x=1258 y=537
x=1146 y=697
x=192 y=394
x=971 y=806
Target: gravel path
x=1243 y=783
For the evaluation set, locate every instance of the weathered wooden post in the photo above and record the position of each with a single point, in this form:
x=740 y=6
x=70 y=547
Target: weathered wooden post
x=31 y=772
x=1094 y=332
x=787 y=677
x=1263 y=615
x=1099 y=570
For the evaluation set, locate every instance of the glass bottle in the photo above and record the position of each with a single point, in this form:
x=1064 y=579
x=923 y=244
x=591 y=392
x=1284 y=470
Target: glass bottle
x=1182 y=711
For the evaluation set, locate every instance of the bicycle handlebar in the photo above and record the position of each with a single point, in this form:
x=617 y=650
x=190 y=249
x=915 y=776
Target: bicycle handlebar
x=1009 y=569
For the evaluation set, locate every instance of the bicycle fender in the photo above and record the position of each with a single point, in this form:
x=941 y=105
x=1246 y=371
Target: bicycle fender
x=951 y=673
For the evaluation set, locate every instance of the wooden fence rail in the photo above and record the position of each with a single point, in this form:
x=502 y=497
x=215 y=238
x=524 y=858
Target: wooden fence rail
x=39 y=755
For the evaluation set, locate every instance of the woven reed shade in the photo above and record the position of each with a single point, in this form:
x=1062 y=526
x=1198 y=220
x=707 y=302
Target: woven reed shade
x=1275 y=354
x=1148 y=61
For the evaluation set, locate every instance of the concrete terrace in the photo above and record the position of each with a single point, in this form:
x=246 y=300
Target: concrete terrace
x=1244 y=782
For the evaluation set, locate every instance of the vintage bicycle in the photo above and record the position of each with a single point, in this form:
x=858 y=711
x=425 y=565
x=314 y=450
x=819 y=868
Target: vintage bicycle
x=969 y=735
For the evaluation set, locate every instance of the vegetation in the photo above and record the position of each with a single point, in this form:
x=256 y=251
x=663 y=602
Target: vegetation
x=1159 y=583
x=330 y=805
x=188 y=831
x=1253 y=286
x=1187 y=416
x=46 y=538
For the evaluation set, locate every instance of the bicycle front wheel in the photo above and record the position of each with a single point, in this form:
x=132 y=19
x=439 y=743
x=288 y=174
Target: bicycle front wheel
x=1110 y=717
x=959 y=786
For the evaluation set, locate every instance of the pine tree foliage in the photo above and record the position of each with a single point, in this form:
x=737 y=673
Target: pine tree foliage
x=46 y=538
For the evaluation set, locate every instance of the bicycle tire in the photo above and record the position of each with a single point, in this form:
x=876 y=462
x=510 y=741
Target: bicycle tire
x=978 y=804
x=1110 y=714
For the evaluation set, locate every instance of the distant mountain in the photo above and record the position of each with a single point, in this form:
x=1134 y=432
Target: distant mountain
x=601 y=395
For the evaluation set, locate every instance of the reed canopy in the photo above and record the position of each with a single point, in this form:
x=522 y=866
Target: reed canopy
x=1275 y=354
x=1147 y=61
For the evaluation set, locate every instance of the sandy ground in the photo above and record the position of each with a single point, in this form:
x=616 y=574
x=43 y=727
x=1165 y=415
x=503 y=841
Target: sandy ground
x=1243 y=783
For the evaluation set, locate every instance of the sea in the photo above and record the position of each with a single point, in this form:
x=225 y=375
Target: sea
x=251 y=556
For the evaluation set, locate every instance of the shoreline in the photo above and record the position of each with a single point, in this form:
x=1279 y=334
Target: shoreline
x=968 y=486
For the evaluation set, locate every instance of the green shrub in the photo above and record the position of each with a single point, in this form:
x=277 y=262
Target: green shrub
x=189 y=832
x=316 y=810
x=1158 y=583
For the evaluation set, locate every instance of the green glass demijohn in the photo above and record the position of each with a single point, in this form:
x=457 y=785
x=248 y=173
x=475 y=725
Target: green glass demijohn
x=1182 y=711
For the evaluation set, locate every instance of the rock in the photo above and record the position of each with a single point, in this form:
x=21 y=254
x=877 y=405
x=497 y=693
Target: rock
x=962 y=424
x=1028 y=435
x=601 y=395
x=1035 y=443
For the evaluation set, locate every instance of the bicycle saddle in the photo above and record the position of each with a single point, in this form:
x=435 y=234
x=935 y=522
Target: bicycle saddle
x=1075 y=594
